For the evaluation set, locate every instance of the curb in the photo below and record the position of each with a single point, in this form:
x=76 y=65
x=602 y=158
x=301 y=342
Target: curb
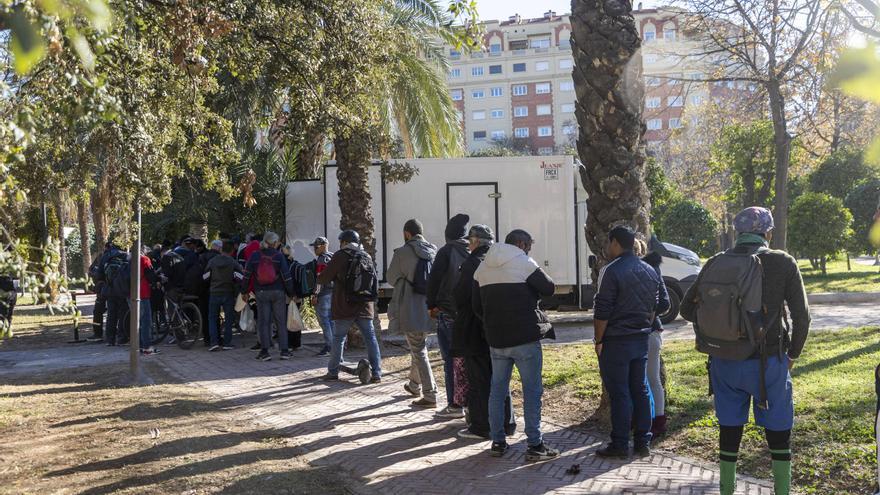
x=843 y=297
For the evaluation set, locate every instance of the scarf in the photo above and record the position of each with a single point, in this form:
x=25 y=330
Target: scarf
x=749 y=238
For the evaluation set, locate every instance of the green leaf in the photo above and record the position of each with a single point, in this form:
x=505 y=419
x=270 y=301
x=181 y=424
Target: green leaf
x=858 y=73
x=98 y=13
x=27 y=46
x=82 y=48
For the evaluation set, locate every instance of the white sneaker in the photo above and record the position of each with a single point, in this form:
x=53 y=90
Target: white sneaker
x=469 y=435
x=451 y=412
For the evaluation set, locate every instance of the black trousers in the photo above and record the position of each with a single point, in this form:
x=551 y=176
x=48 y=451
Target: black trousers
x=479 y=373
x=98 y=314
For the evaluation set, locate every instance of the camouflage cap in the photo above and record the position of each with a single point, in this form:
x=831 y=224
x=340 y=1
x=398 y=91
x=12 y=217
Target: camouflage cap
x=753 y=219
x=481 y=231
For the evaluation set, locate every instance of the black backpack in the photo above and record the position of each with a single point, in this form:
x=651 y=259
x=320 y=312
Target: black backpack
x=422 y=274
x=361 y=278
x=121 y=283
x=113 y=265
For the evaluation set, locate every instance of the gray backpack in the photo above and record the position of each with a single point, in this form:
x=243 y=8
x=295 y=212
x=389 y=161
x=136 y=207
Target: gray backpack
x=729 y=321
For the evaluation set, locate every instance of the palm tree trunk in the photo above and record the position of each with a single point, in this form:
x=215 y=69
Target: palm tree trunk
x=82 y=216
x=309 y=159
x=610 y=96
x=100 y=212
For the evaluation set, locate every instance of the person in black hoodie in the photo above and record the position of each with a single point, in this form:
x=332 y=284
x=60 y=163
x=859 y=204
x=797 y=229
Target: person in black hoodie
x=468 y=338
x=444 y=276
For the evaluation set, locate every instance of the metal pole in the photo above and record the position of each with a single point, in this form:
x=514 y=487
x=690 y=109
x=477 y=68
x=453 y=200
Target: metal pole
x=137 y=373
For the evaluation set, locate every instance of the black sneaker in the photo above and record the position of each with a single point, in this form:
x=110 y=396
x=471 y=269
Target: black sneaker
x=330 y=378
x=214 y=348
x=541 y=453
x=642 y=451
x=612 y=450
x=376 y=379
x=257 y=347
x=498 y=449
x=285 y=355
x=324 y=353
x=264 y=356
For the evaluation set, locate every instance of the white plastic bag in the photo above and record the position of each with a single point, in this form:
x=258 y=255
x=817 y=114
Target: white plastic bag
x=246 y=321
x=294 y=319
x=240 y=303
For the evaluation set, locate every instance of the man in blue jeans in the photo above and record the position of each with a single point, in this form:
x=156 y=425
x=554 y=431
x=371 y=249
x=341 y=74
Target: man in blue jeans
x=323 y=298
x=222 y=271
x=270 y=272
x=346 y=312
x=626 y=304
x=507 y=287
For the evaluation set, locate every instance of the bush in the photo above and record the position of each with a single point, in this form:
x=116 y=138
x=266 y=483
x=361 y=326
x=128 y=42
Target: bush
x=862 y=203
x=688 y=224
x=819 y=226
x=838 y=174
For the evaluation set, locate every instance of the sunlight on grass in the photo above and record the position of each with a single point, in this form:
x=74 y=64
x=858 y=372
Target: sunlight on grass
x=862 y=278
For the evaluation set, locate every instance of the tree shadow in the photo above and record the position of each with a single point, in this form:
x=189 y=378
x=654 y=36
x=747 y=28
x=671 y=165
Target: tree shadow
x=834 y=360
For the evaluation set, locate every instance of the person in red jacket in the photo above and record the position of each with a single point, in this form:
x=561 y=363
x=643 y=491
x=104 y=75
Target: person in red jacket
x=148 y=278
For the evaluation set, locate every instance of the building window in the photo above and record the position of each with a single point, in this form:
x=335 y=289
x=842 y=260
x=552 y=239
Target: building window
x=478 y=93
x=669 y=34
x=674 y=123
x=568 y=108
x=655 y=124
x=479 y=115
x=477 y=71
x=564 y=43
x=498 y=135
x=695 y=76
x=454 y=54
x=456 y=95
x=479 y=135
x=569 y=129
x=496 y=91
x=653 y=102
x=566 y=86
x=539 y=43
x=520 y=90
x=520 y=67
x=651 y=59
x=545 y=131
x=650 y=34
x=495 y=69
x=652 y=81
x=696 y=99
x=520 y=111
x=674 y=101
x=544 y=110
x=521 y=132
x=545 y=151
x=495 y=48
x=519 y=44
x=542 y=66
x=674 y=79
x=542 y=88
x=566 y=63
x=497 y=114
x=454 y=72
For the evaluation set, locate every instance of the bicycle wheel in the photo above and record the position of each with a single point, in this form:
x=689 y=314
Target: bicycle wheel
x=124 y=328
x=190 y=329
x=159 y=330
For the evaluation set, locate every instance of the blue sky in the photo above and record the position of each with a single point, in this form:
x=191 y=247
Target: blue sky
x=502 y=9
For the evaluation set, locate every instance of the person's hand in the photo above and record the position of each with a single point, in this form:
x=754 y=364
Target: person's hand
x=790 y=363
x=598 y=350
x=434 y=312
x=314 y=300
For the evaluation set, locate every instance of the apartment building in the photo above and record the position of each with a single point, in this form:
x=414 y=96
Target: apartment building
x=520 y=86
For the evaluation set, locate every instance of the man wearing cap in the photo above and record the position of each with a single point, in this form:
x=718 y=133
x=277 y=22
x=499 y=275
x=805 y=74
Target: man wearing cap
x=736 y=384
x=627 y=301
x=323 y=298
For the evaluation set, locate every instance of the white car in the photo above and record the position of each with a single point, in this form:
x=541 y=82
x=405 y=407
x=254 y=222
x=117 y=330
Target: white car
x=680 y=269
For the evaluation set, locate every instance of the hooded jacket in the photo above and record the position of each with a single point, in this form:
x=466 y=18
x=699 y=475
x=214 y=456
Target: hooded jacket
x=408 y=311
x=508 y=286
x=467 y=334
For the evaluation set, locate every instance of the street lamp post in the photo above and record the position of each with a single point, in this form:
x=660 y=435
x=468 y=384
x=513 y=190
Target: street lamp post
x=137 y=373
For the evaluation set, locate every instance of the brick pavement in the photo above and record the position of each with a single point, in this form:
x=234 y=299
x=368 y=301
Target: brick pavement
x=372 y=433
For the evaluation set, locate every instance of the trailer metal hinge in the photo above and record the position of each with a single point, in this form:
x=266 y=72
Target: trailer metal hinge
x=495 y=195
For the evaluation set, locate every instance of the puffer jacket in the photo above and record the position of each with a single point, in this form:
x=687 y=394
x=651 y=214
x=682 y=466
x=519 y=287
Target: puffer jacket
x=508 y=286
x=467 y=334
x=628 y=297
x=408 y=311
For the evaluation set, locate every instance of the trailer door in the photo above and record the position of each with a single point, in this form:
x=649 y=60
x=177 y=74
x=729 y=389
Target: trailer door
x=479 y=200
x=303 y=217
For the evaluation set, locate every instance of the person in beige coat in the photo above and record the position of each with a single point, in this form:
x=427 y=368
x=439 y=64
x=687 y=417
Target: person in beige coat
x=408 y=311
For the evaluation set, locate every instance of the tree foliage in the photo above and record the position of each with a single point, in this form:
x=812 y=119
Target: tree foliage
x=820 y=227
x=862 y=203
x=838 y=174
x=746 y=152
x=687 y=223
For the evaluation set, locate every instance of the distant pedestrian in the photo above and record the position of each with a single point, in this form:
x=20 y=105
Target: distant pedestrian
x=100 y=287
x=443 y=279
x=408 y=311
x=267 y=270
x=508 y=286
x=222 y=272
x=738 y=308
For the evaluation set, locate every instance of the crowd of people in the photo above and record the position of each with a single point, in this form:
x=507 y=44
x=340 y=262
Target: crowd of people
x=482 y=298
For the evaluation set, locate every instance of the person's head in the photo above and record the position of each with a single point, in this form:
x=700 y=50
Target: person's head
x=349 y=237
x=622 y=239
x=320 y=245
x=270 y=240
x=521 y=239
x=228 y=247
x=249 y=237
x=287 y=251
x=754 y=220
x=480 y=235
x=145 y=250
x=457 y=227
x=217 y=245
x=199 y=245
x=412 y=228
x=157 y=248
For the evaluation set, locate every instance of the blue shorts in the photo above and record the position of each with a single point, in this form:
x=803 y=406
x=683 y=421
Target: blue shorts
x=737 y=384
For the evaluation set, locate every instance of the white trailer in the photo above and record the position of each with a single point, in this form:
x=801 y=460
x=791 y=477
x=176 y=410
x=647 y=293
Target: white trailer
x=540 y=194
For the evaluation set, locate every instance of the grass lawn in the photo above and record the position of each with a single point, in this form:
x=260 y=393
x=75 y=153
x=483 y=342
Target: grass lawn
x=834 y=394
x=862 y=278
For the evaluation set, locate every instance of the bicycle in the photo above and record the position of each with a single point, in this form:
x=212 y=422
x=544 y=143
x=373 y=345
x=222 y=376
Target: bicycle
x=183 y=320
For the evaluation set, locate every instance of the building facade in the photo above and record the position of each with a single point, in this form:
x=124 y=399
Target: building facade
x=519 y=89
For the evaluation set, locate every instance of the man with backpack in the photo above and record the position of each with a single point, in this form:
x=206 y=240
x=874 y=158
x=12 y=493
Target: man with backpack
x=355 y=290
x=112 y=264
x=221 y=272
x=441 y=304
x=268 y=270
x=628 y=297
x=508 y=286
x=409 y=272
x=322 y=300
x=737 y=306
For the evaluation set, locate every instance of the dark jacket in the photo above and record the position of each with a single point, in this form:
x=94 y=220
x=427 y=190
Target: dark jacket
x=444 y=276
x=340 y=308
x=628 y=297
x=782 y=284
x=407 y=310
x=282 y=272
x=654 y=259
x=467 y=334
x=508 y=286
x=221 y=270
x=189 y=256
x=174 y=269
x=102 y=266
